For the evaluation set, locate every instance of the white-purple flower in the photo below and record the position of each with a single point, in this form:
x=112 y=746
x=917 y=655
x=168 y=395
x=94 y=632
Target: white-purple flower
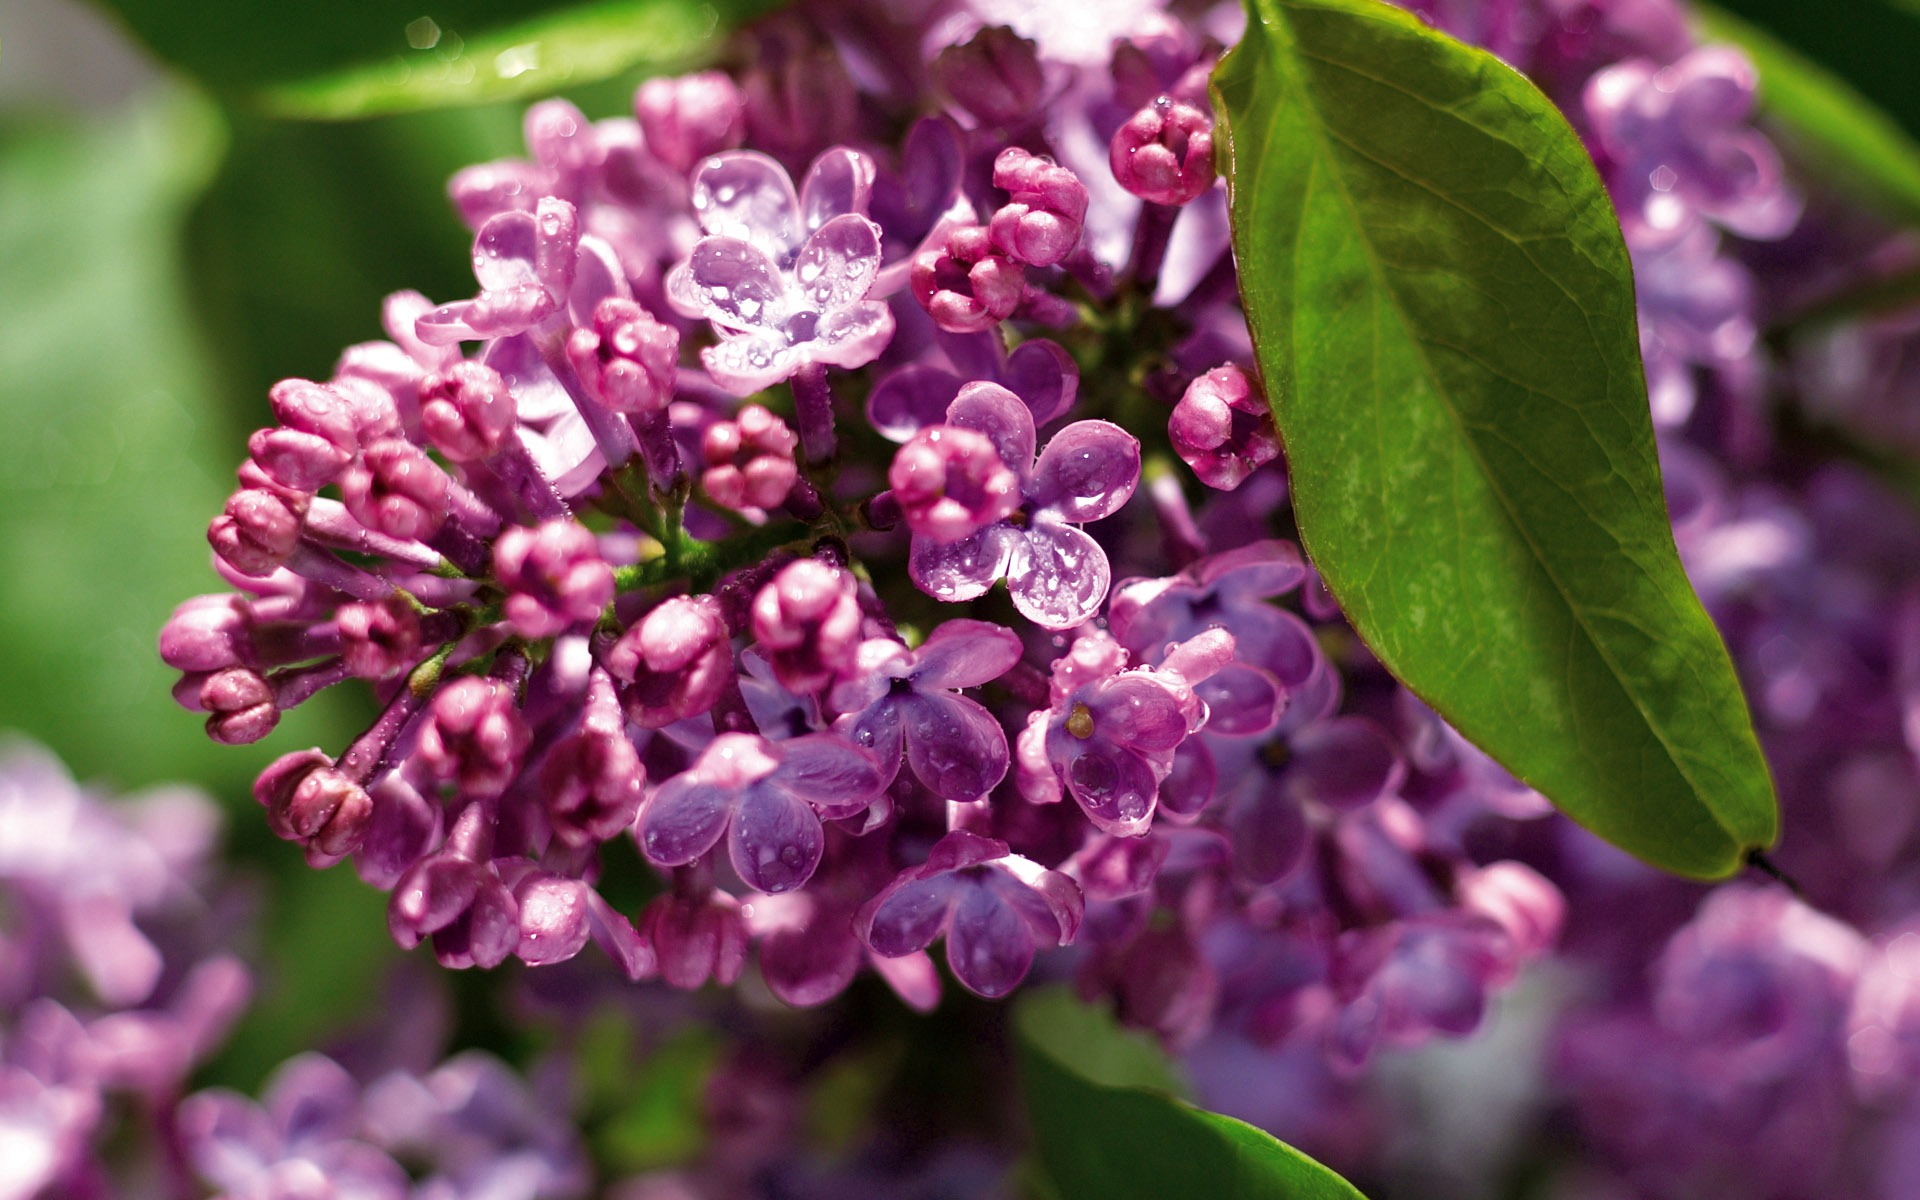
x=784 y=278
x=1056 y=574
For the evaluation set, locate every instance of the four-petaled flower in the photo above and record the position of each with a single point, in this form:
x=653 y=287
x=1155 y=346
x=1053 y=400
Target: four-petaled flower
x=784 y=278
x=1056 y=574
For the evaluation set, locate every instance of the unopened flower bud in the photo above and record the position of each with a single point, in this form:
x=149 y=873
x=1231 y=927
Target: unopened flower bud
x=378 y=641
x=315 y=408
x=593 y=779
x=206 y=633
x=240 y=706
x=554 y=577
x=687 y=117
x=675 y=661
x=1041 y=224
x=256 y=533
x=807 y=621
x=995 y=75
x=395 y=489
x=750 y=463
x=950 y=482
x=965 y=284
x=308 y=800
x=1223 y=429
x=301 y=462
x=627 y=359
x=474 y=736
x=466 y=411
x=696 y=940
x=1164 y=153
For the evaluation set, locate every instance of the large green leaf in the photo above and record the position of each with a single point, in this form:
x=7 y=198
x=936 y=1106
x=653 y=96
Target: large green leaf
x=1442 y=309
x=1854 y=146
x=1100 y=1136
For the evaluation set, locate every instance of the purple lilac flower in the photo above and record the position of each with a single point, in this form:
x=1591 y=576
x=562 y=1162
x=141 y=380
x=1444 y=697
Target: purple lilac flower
x=768 y=798
x=1056 y=575
x=894 y=698
x=1110 y=735
x=992 y=906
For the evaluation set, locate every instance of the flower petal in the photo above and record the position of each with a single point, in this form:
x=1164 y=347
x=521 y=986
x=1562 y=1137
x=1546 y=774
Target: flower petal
x=830 y=773
x=743 y=289
x=749 y=363
x=910 y=399
x=503 y=252
x=1087 y=471
x=954 y=746
x=743 y=194
x=989 y=945
x=851 y=337
x=993 y=410
x=839 y=182
x=1344 y=763
x=963 y=569
x=837 y=265
x=1044 y=376
x=683 y=820
x=907 y=915
x=964 y=653
x=1114 y=787
x=1242 y=701
x=1058 y=576
x=775 y=840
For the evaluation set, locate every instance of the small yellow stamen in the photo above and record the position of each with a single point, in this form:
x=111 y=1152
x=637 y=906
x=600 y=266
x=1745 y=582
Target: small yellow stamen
x=1080 y=722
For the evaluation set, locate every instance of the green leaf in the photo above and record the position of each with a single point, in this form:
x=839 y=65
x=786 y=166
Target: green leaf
x=529 y=58
x=1854 y=146
x=1442 y=309
x=1100 y=1140
x=350 y=58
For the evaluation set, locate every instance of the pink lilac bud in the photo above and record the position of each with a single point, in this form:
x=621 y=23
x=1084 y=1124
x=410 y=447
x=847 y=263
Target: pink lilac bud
x=1223 y=429
x=750 y=463
x=466 y=411
x=995 y=75
x=807 y=622
x=301 y=462
x=317 y=409
x=950 y=482
x=240 y=706
x=256 y=533
x=395 y=489
x=554 y=577
x=474 y=736
x=378 y=641
x=687 y=117
x=463 y=905
x=675 y=661
x=207 y=633
x=310 y=801
x=592 y=780
x=1164 y=153
x=553 y=912
x=964 y=284
x=627 y=358
x=1041 y=224
x=696 y=940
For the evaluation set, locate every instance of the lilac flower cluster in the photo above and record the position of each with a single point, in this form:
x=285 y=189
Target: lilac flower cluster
x=690 y=526
x=118 y=985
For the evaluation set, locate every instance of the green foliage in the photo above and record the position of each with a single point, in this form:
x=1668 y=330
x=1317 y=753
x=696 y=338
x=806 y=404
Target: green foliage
x=1852 y=144
x=526 y=59
x=350 y=58
x=1105 y=1127
x=1442 y=309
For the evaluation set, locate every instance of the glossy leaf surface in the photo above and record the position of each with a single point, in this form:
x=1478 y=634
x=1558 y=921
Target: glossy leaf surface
x=1442 y=310
x=1100 y=1136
